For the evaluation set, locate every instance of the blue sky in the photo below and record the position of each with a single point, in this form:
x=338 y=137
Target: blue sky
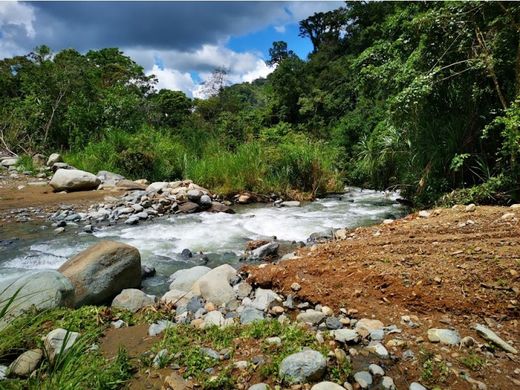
x=180 y=42
x=263 y=39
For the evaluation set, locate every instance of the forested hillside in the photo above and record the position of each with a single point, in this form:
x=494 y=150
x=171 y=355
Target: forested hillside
x=424 y=97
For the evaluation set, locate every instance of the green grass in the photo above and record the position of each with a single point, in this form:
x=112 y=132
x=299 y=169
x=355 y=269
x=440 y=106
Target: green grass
x=25 y=164
x=80 y=367
x=433 y=371
x=184 y=342
x=83 y=366
x=473 y=361
x=293 y=165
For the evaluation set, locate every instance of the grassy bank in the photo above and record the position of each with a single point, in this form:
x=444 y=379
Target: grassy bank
x=289 y=164
x=88 y=366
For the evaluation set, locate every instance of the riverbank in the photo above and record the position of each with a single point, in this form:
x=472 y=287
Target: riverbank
x=412 y=282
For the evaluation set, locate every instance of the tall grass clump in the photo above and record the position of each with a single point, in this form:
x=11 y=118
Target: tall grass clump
x=303 y=165
x=227 y=172
x=150 y=153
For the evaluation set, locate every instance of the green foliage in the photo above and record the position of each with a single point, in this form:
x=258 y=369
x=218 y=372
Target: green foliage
x=25 y=164
x=434 y=371
x=419 y=96
x=473 y=361
x=148 y=153
x=496 y=190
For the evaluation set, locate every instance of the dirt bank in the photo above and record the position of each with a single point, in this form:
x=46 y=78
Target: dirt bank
x=28 y=192
x=452 y=269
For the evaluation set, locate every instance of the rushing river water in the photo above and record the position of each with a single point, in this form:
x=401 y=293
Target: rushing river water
x=222 y=237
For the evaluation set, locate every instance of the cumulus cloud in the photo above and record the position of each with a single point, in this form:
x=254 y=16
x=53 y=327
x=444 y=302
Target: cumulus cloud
x=184 y=37
x=173 y=79
x=176 y=66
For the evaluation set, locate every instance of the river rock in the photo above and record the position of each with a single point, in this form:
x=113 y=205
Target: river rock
x=73 y=180
x=159 y=327
x=242 y=289
x=250 y=314
x=53 y=159
x=327 y=386
x=417 y=386
x=217 y=207
x=303 y=367
x=267 y=250
x=363 y=379
x=195 y=195
x=379 y=350
x=157 y=186
x=109 y=178
x=9 y=162
x=215 y=285
x=184 y=279
x=376 y=370
x=42 y=290
x=444 y=336
x=368 y=325
x=205 y=201
x=132 y=299
x=260 y=386
x=26 y=363
x=177 y=298
x=58 y=341
x=345 y=335
x=310 y=316
x=388 y=383
x=264 y=299
x=214 y=318
x=290 y=203
x=489 y=335
x=333 y=323
x=188 y=207
x=102 y=271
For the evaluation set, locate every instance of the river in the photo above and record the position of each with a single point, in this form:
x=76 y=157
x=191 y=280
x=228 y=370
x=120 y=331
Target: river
x=222 y=237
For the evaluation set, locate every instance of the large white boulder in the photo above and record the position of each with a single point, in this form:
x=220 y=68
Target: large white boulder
x=215 y=286
x=42 y=290
x=74 y=180
x=185 y=278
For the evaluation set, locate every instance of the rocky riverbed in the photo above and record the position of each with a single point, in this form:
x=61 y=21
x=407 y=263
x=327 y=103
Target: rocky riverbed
x=426 y=301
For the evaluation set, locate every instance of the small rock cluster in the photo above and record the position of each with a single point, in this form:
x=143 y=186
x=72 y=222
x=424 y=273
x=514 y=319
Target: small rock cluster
x=158 y=199
x=56 y=342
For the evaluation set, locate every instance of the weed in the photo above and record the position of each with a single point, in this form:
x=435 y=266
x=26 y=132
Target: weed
x=473 y=361
x=25 y=164
x=434 y=370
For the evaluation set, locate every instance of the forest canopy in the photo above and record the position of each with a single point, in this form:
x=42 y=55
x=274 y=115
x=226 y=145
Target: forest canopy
x=423 y=97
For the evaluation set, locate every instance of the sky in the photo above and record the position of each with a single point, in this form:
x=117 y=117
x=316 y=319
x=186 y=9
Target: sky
x=179 y=42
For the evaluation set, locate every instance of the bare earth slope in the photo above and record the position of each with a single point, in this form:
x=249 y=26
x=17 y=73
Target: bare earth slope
x=452 y=269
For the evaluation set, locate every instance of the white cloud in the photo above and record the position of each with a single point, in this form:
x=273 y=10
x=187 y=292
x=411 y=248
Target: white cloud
x=240 y=67
x=16 y=14
x=260 y=71
x=173 y=79
x=16 y=19
x=280 y=29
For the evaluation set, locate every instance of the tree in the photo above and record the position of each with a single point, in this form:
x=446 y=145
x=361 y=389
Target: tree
x=278 y=52
x=171 y=107
x=216 y=82
x=324 y=28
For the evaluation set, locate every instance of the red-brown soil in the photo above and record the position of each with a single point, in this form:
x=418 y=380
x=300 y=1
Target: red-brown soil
x=453 y=269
